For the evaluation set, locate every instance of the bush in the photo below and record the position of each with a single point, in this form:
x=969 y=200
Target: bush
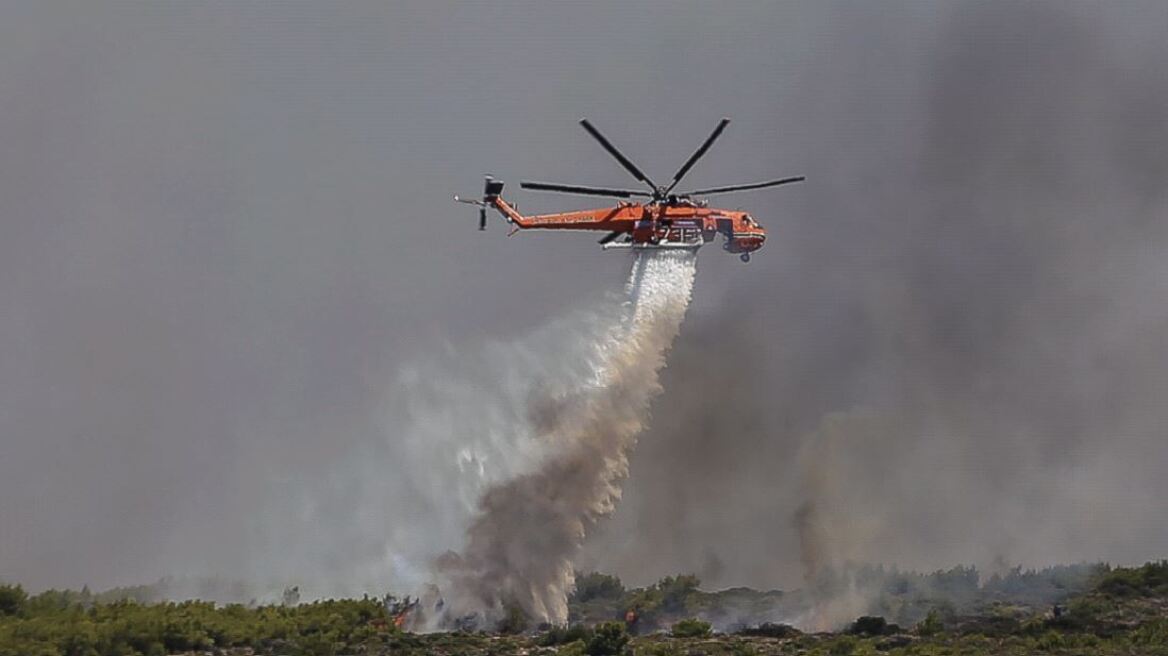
x=1049 y=641
x=562 y=635
x=1151 y=633
x=771 y=630
x=1086 y=613
x=658 y=649
x=578 y=648
x=12 y=598
x=740 y=648
x=870 y=625
x=514 y=621
x=608 y=639
x=691 y=628
x=843 y=646
x=57 y=624
x=932 y=624
x=1133 y=581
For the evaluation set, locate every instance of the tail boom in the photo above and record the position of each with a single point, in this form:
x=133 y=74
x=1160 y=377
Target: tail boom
x=622 y=219
x=619 y=218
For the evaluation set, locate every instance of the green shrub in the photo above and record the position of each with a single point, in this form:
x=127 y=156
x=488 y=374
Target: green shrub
x=740 y=648
x=608 y=639
x=870 y=625
x=1050 y=641
x=691 y=628
x=659 y=649
x=562 y=635
x=514 y=622
x=843 y=646
x=578 y=648
x=1151 y=633
x=931 y=625
x=57 y=623
x=1132 y=581
x=12 y=598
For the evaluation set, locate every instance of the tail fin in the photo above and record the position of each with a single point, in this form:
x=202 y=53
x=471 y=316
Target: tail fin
x=492 y=188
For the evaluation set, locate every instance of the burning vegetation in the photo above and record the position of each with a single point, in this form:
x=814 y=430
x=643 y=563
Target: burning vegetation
x=1060 y=610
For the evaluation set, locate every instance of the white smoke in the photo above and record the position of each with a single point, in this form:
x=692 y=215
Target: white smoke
x=529 y=528
x=504 y=453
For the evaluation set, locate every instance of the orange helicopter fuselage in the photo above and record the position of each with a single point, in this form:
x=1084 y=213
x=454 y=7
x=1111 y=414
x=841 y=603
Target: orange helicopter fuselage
x=652 y=224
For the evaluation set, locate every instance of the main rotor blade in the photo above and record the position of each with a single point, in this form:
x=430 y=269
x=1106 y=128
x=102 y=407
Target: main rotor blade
x=586 y=191
x=744 y=187
x=698 y=153
x=629 y=166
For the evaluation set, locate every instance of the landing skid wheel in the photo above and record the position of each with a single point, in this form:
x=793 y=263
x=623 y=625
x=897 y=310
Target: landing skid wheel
x=745 y=257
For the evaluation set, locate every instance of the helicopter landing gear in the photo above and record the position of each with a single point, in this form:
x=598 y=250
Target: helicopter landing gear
x=745 y=257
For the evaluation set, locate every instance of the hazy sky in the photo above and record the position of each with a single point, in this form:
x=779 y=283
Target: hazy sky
x=224 y=228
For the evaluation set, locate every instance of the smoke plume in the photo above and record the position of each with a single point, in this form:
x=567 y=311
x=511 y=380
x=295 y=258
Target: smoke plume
x=522 y=543
x=833 y=528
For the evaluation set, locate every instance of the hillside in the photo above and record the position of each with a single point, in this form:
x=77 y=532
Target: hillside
x=1116 y=611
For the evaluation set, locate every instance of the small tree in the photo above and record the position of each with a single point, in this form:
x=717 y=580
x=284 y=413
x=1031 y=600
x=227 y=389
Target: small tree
x=597 y=586
x=676 y=592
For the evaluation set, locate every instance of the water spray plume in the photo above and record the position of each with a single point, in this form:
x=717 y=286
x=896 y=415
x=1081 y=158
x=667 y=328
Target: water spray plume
x=522 y=542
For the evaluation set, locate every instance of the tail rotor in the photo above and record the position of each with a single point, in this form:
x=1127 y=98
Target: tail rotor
x=491 y=190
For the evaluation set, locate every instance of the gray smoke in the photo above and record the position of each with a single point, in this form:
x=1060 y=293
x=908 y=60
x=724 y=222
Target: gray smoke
x=234 y=286
x=953 y=350
x=834 y=527
x=457 y=423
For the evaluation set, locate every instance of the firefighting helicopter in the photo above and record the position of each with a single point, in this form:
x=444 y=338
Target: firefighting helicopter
x=668 y=220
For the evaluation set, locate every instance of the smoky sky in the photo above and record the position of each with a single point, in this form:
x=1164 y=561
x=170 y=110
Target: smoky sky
x=224 y=228
x=960 y=330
